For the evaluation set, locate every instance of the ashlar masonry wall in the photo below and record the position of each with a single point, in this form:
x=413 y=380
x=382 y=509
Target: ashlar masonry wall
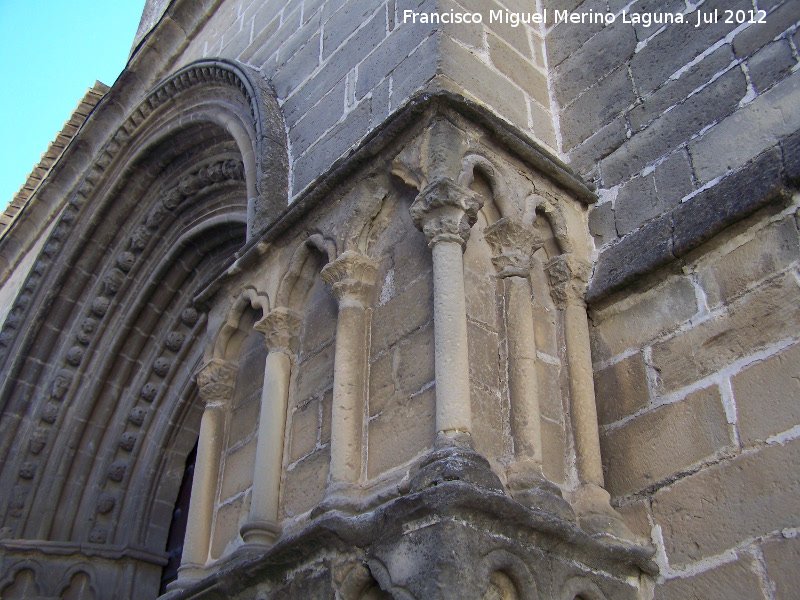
x=341 y=67
x=687 y=132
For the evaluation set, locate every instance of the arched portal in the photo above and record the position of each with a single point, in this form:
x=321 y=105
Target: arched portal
x=100 y=409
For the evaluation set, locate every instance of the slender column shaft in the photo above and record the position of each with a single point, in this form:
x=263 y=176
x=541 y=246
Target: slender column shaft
x=279 y=327
x=204 y=487
x=352 y=277
x=445 y=212
x=513 y=246
x=215 y=381
x=269 y=451
x=523 y=382
x=347 y=411
x=453 y=408
x=568 y=277
x=581 y=384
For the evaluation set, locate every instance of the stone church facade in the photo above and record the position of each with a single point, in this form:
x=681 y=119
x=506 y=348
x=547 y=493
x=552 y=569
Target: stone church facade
x=322 y=301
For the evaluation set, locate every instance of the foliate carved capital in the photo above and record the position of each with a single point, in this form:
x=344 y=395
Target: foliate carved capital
x=445 y=211
x=280 y=328
x=216 y=380
x=512 y=246
x=569 y=277
x=351 y=277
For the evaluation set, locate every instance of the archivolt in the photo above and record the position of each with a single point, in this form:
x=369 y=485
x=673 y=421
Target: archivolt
x=98 y=386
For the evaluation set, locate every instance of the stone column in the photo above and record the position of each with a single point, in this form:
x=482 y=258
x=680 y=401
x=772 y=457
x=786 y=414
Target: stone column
x=569 y=276
x=215 y=381
x=445 y=212
x=352 y=280
x=280 y=329
x=513 y=246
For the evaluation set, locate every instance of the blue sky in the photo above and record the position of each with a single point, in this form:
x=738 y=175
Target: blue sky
x=51 y=51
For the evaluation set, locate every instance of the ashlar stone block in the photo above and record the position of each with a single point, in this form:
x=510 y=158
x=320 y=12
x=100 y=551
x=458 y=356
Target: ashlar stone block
x=767 y=396
x=663 y=442
x=716 y=509
x=738 y=579
x=769 y=314
x=621 y=389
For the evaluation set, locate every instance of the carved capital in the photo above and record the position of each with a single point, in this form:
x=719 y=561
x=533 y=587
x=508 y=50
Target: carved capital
x=351 y=277
x=568 y=277
x=512 y=246
x=280 y=328
x=216 y=380
x=445 y=211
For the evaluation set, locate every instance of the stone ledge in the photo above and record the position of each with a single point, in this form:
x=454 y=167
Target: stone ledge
x=765 y=179
x=453 y=503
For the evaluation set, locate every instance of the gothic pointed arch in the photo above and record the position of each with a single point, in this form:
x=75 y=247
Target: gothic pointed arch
x=99 y=405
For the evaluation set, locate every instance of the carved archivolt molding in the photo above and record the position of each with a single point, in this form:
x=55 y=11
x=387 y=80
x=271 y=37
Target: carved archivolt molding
x=263 y=113
x=112 y=282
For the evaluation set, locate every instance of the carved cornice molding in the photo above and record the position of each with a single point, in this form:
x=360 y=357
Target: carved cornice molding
x=445 y=212
x=512 y=246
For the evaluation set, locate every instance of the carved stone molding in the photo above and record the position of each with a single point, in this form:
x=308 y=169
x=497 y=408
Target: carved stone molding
x=445 y=211
x=351 y=277
x=280 y=328
x=569 y=277
x=512 y=246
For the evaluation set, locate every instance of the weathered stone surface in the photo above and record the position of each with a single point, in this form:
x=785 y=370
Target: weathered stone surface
x=771 y=64
x=771 y=312
x=709 y=105
x=752 y=38
x=621 y=389
x=554 y=451
x=304 y=484
x=773 y=249
x=315 y=374
x=675 y=91
x=665 y=54
x=226 y=526
x=305 y=423
x=738 y=579
x=716 y=509
x=637 y=517
x=637 y=202
x=767 y=396
x=487 y=422
x=484 y=364
x=237 y=474
x=663 y=442
x=644 y=318
x=407 y=311
x=602 y=225
x=478 y=80
x=748 y=132
x=415 y=417
x=782 y=556
x=244 y=421
x=593 y=60
x=596 y=106
x=568 y=37
x=518 y=69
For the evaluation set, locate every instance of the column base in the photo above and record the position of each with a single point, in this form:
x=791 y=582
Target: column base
x=187 y=574
x=596 y=516
x=454 y=459
x=342 y=496
x=260 y=533
x=531 y=489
